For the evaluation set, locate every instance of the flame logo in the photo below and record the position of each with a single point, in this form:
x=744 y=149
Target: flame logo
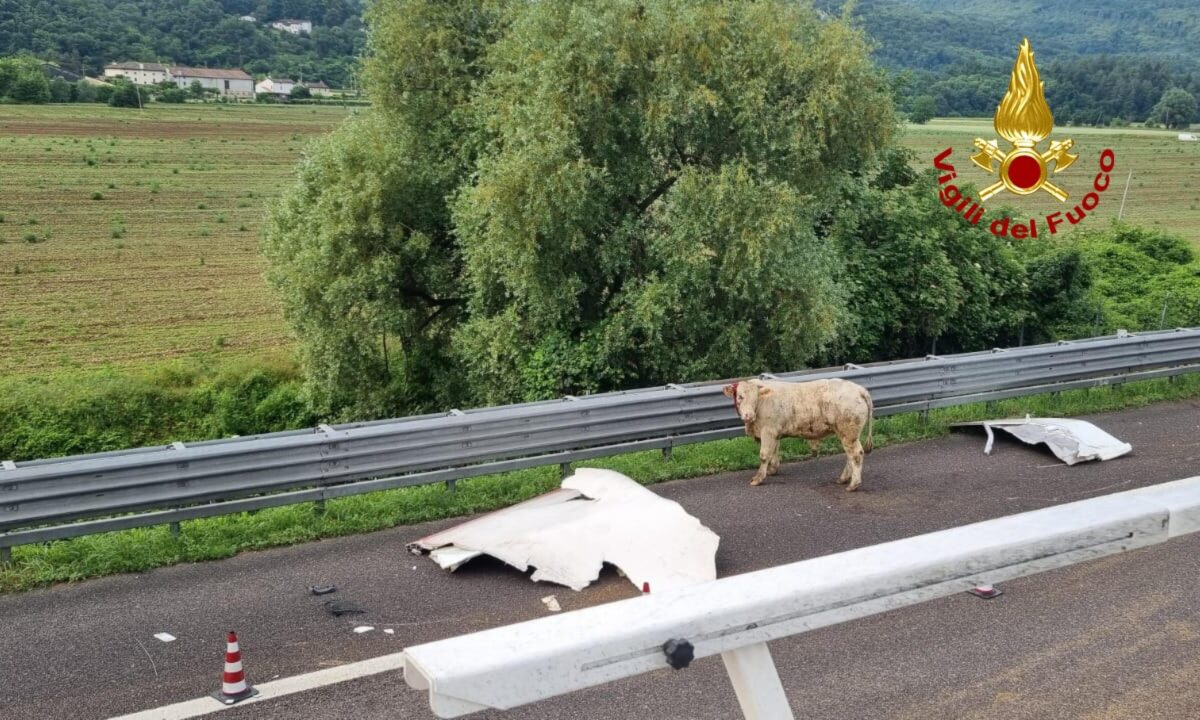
x=1023 y=117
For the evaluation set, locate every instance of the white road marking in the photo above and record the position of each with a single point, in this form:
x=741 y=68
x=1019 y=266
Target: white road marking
x=274 y=689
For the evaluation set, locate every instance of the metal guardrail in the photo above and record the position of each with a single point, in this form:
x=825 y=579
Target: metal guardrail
x=514 y=665
x=42 y=500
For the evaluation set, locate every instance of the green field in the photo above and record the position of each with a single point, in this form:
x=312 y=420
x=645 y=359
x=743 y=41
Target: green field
x=1164 y=188
x=132 y=236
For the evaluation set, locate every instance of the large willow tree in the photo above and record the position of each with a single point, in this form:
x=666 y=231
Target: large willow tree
x=568 y=197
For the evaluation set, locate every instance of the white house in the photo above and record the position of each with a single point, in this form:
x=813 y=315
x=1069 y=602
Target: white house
x=320 y=89
x=229 y=83
x=275 y=86
x=138 y=73
x=294 y=27
x=248 y=18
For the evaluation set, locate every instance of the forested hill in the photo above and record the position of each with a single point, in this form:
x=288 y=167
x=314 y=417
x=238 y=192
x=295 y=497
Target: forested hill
x=84 y=35
x=1100 y=59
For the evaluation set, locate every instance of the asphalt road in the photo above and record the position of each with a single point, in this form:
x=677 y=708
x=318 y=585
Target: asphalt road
x=1114 y=638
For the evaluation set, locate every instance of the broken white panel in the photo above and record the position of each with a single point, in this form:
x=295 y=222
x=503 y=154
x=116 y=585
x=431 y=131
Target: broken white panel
x=597 y=516
x=1072 y=441
x=165 y=637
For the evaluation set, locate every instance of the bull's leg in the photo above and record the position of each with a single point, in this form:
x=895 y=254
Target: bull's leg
x=854 y=461
x=848 y=468
x=773 y=465
x=847 y=471
x=766 y=452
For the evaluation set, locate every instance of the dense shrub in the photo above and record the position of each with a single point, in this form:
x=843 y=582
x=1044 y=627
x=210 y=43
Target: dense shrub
x=66 y=415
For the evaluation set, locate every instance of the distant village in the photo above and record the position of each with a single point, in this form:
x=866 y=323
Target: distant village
x=231 y=83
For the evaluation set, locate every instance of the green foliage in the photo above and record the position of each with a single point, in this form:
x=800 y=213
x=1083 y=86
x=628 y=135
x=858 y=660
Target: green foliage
x=62 y=91
x=654 y=202
x=84 y=35
x=169 y=92
x=917 y=275
x=300 y=92
x=128 y=95
x=635 y=206
x=65 y=415
x=86 y=92
x=1176 y=109
x=30 y=86
x=1139 y=273
x=1099 y=58
x=924 y=108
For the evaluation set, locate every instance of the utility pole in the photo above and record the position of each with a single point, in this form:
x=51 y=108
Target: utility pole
x=1124 y=195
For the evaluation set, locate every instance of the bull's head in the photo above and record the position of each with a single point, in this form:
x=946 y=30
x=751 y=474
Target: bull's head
x=745 y=398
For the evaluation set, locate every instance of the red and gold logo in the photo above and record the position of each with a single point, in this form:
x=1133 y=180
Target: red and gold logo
x=1024 y=120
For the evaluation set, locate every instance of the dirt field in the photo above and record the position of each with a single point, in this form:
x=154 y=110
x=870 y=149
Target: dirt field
x=130 y=236
x=1164 y=189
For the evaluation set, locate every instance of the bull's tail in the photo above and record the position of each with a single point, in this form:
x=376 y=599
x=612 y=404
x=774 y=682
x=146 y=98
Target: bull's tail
x=870 y=443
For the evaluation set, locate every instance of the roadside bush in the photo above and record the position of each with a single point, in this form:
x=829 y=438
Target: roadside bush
x=108 y=410
x=1139 y=273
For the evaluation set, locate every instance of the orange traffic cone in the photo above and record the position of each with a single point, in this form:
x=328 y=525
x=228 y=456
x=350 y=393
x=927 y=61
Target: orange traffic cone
x=233 y=685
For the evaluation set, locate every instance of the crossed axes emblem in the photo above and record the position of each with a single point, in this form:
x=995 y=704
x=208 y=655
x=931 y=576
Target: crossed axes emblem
x=1026 y=163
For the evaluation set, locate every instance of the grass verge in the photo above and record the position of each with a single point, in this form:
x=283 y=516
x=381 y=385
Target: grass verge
x=214 y=538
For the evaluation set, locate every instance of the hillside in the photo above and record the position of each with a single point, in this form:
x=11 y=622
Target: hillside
x=1100 y=59
x=84 y=35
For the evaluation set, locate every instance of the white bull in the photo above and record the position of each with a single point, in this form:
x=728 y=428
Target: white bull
x=811 y=410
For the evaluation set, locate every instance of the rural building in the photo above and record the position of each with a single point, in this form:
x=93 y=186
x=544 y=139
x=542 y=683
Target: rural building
x=320 y=89
x=138 y=73
x=248 y=18
x=229 y=83
x=275 y=86
x=294 y=27
x=1187 y=137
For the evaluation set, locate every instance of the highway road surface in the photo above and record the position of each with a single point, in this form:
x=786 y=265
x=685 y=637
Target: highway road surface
x=1111 y=639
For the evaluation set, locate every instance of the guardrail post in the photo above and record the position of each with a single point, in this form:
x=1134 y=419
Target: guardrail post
x=5 y=555
x=319 y=507
x=175 y=529
x=756 y=683
x=666 y=452
x=564 y=470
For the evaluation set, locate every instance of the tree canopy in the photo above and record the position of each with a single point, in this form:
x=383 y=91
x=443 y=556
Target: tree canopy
x=569 y=197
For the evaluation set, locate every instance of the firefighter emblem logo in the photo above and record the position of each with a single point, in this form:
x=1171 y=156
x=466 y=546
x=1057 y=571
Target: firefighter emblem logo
x=1023 y=118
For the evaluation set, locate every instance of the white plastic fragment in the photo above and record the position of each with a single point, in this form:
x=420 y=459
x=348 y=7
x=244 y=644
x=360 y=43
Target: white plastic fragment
x=551 y=603
x=1072 y=441
x=596 y=517
x=390 y=631
x=364 y=628
x=165 y=637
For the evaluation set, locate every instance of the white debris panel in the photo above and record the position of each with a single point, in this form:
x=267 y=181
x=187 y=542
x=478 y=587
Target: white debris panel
x=597 y=516
x=1072 y=441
